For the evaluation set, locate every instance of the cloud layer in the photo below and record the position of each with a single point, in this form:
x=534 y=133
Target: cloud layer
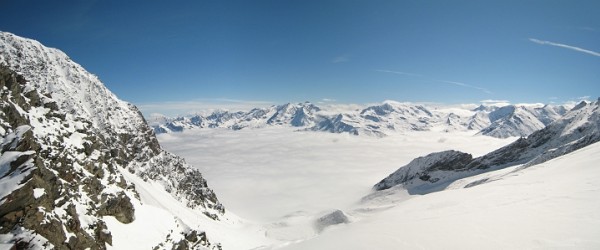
x=266 y=174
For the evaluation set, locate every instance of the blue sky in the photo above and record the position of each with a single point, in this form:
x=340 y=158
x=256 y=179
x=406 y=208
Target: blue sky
x=154 y=53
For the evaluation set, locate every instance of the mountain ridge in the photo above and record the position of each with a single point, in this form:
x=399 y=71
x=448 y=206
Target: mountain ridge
x=378 y=120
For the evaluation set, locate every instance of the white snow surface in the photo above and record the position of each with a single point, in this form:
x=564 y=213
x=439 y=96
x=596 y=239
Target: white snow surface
x=552 y=205
x=38 y=192
x=159 y=216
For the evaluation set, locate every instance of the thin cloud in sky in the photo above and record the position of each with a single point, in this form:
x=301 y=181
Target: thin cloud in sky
x=461 y=84
x=494 y=101
x=398 y=72
x=587 y=28
x=341 y=59
x=239 y=101
x=466 y=86
x=583 y=98
x=542 y=42
x=497 y=103
x=327 y=101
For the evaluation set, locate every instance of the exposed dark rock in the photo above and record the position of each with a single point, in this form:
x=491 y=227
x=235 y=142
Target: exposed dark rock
x=102 y=233
x=120 y=207
x=191 y=240
x=334 y=218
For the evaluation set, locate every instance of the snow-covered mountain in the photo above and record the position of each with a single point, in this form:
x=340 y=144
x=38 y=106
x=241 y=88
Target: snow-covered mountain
x=296 y=115
x=521 y=120
x=578 y=128
x=73 y=157
x=379 y=120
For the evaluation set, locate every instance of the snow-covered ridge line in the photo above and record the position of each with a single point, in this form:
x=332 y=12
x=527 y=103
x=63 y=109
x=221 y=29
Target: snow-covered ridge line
x=578 y=128
x=65 y=141
x=378 y=120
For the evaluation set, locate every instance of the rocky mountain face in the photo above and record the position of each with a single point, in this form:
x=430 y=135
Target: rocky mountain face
x=378 y=120
x=65 y=143
x=578 y=128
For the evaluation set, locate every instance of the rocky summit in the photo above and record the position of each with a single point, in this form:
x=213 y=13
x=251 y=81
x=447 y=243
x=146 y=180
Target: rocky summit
x=68 y=151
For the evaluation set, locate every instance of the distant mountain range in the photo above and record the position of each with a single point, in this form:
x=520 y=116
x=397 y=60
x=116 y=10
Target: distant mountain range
x=377 y=120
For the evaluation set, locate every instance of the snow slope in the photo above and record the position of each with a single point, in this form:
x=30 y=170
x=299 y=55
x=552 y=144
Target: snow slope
x=161 y=218
x=551 y=205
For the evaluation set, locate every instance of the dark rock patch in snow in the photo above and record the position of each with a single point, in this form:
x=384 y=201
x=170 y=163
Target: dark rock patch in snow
x=334 y=218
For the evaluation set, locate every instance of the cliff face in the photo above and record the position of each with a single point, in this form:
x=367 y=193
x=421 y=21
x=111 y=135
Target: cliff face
x=65 y=141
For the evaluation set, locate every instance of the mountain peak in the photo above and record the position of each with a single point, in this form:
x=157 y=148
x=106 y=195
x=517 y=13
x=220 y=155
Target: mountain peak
x=71 y=152
x=580 y=105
